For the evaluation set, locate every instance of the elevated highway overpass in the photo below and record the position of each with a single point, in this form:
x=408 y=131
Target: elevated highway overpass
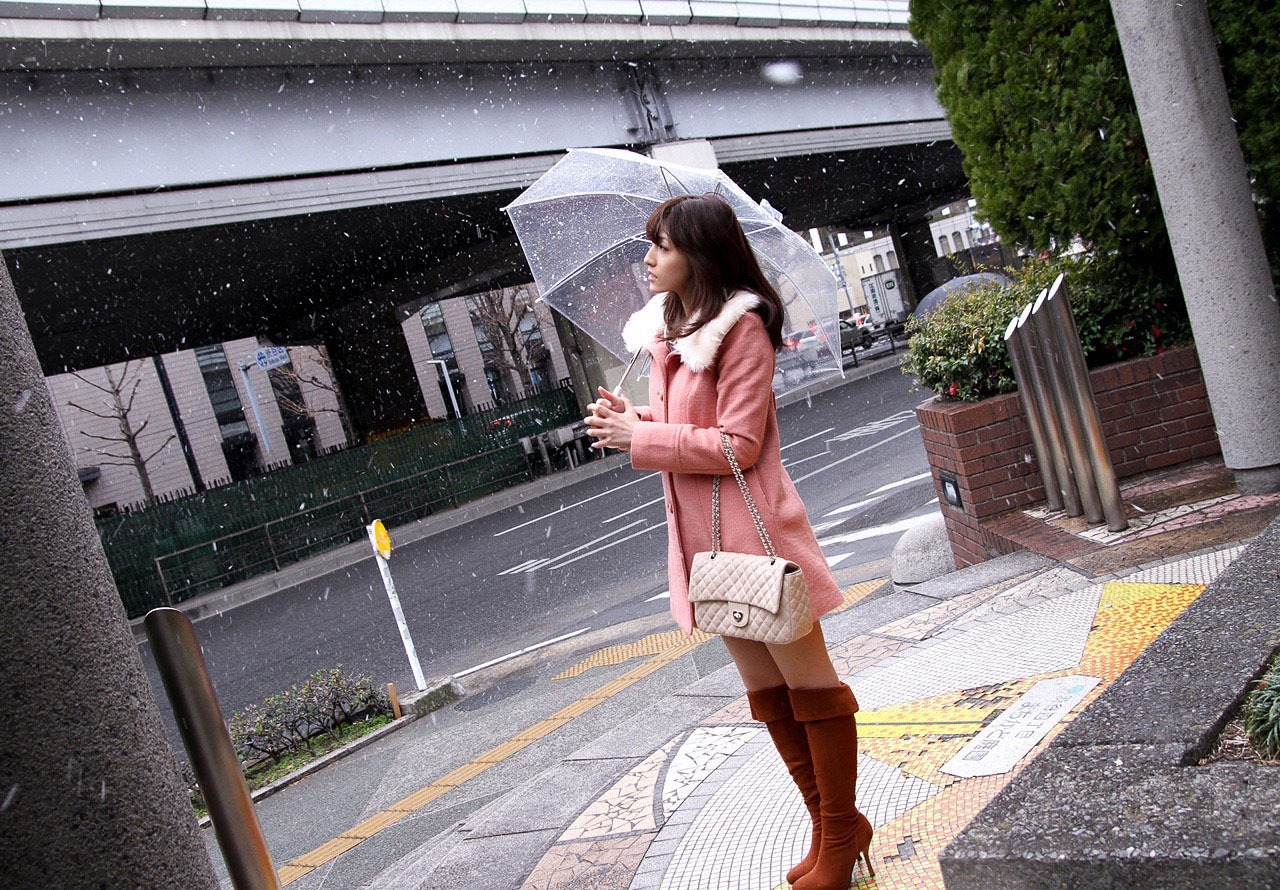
x=179 y=172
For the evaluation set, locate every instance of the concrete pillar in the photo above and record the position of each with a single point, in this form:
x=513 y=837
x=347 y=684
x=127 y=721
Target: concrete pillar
x=89 y=796
x=688 y=153
x=1204 y=190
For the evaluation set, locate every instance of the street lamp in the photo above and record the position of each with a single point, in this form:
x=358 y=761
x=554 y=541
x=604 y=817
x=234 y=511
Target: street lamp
x=448 y=381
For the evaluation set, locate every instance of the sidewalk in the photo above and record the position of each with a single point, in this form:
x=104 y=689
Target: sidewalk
x=638 y=766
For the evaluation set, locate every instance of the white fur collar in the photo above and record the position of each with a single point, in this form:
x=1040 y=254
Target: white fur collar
x=698 y=350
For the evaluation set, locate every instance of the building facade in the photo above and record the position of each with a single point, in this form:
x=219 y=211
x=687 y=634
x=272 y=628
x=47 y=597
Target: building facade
x=161 y=427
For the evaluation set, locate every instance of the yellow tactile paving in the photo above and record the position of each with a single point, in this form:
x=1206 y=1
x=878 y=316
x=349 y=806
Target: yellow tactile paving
x=611 y=655
x=291 y=873
x=371 y=826
x=917 y=738
x=906 y=850
x=677 y=645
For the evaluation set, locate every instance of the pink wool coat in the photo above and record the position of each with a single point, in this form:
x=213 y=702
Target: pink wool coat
x=720 y=376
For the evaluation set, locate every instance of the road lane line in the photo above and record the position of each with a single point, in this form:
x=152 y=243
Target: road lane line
x=525 y=651
x=657 y=500
x=643 y=531
x=901 y=482
x=327 y=852
x=591 y=543
x=806 y=439
x=890 y=528
x=857 y=453
x=574 y=504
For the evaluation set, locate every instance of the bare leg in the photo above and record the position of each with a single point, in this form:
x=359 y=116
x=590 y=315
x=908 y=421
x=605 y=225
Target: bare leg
x=803 y=664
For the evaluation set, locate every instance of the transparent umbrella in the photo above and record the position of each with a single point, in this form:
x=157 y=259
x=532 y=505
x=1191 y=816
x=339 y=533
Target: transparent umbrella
x=581 y=226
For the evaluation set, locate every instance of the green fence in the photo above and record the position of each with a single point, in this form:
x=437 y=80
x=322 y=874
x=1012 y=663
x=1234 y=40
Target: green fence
x=176 y=550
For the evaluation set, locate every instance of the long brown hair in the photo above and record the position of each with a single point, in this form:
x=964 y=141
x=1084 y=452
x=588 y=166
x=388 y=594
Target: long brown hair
x=721 y=261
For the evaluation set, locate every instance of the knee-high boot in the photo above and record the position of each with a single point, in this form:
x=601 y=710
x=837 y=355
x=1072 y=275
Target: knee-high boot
x=772 y=707
x=832 y=732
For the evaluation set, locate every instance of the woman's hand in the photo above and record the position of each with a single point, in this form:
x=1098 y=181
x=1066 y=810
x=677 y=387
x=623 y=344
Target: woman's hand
x=611 y=421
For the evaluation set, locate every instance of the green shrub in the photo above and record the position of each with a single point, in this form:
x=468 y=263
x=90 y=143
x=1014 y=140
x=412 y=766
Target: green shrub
x=292 y=720
x=1262 y=714
x=958 y=350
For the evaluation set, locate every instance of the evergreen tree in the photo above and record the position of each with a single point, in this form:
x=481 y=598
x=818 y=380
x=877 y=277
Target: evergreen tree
x=1040 y=105
x=1248 y=33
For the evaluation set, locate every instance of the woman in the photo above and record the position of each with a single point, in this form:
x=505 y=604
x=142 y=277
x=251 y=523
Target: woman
x=712 y=329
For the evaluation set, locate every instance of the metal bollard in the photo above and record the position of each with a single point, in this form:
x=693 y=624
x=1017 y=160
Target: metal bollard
x=1039 y=441
x=195 y=707
x=1058 y=309
x=1054 y=436
x=1064 y=405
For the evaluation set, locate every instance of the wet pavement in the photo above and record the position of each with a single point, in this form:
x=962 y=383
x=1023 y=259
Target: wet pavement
x=636 y=765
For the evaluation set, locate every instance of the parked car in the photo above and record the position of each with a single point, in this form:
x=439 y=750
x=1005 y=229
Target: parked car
x=854 y=334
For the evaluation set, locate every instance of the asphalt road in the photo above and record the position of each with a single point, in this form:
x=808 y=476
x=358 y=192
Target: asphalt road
x=588 y=556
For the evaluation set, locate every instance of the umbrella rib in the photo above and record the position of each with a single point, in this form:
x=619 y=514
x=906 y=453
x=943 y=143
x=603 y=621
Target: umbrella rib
x=598 y=255
x=593 y=194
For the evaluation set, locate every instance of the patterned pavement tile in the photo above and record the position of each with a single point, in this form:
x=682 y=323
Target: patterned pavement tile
x=728 y=816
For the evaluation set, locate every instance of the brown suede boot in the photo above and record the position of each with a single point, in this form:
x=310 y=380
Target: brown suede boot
x=772 y=707
x=832 y=732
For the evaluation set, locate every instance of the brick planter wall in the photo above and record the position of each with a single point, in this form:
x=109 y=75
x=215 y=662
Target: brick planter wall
x=1155 y=413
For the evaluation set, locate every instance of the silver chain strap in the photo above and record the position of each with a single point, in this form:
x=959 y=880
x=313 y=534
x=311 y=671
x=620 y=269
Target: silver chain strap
x=746 y=495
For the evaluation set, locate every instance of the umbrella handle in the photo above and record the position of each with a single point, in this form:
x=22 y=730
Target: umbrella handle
x=617 y=390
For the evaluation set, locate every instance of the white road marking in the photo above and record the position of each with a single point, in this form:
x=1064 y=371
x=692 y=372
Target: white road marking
x=556 y=564
x=636 y=509
x=902 y=482
x=833 y=561
x=857 y=453
x=665 y=595
x=806 y=438
x=523 y=567
x=891 y=528
x=527 y=566
x=850 y=507
x=525 y=651
x=875 y=426
x=575 y=504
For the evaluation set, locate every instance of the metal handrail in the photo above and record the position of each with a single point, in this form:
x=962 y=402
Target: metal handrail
x=213 y=758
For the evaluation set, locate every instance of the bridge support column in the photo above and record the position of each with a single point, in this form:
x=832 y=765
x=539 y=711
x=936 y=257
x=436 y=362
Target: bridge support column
x=689 y=152
x=89 y=796
x=1204 y=191
x=374 y=369
x=916 y=255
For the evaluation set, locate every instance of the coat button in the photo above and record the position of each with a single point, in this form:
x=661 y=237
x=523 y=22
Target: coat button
x=671 y=509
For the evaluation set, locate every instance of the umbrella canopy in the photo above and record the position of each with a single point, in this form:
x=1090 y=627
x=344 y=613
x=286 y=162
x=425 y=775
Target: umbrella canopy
x=582 y=229
x=963 y=284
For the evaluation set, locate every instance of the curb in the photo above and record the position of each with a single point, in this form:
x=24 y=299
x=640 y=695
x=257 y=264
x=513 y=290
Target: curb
x=439 y=693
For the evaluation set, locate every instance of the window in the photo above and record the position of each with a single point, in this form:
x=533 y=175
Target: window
x=222 y=391
x=238 y=444
x=299 y=426
x=451 y=389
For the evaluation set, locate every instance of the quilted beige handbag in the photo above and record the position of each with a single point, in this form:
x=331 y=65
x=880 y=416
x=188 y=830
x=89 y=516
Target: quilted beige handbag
x=746 y=595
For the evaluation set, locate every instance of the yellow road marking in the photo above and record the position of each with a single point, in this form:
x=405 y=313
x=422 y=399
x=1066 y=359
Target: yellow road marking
x=663 y=648
x=308 y=862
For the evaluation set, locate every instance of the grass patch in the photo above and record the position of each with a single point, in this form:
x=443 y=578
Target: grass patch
x=263 y=774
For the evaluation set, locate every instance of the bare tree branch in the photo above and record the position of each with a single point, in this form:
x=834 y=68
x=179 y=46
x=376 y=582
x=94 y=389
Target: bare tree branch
x=163 y=446
x=121 y=411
